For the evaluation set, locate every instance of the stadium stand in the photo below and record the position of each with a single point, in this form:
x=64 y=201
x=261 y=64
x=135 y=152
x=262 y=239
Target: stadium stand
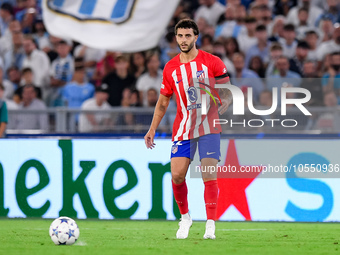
x=296 y=42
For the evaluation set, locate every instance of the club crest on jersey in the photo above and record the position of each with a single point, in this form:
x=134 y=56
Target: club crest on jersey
x=192 y=94
x=200 y=75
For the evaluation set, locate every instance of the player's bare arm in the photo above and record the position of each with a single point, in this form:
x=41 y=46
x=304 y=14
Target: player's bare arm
x=226 y=98
x=160 y=109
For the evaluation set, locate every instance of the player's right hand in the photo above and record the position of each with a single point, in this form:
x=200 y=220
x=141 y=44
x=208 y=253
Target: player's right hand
x=148 y=138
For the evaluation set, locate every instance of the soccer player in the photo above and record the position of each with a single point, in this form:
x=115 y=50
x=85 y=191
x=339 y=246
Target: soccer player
x=191 y=127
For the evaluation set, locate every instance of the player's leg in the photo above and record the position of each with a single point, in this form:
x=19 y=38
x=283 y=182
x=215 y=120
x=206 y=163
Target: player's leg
x=209 y=150
x=180 y=160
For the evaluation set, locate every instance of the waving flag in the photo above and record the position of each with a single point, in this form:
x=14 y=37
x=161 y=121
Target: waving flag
x=118 y=25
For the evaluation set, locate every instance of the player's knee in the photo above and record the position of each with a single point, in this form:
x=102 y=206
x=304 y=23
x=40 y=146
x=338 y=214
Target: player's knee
x=177 y=178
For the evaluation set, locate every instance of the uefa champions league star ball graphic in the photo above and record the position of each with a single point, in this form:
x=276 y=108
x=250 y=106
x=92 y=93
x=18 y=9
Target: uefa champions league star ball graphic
x=64 y=231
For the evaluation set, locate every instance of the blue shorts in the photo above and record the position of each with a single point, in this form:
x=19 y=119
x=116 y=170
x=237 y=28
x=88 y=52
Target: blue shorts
x=208 y=147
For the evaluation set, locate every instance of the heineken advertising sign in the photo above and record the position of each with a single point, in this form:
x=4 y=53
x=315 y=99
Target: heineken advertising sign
x=109 y=179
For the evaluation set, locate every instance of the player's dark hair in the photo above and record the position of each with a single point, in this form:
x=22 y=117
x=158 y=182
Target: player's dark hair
x=187 y=24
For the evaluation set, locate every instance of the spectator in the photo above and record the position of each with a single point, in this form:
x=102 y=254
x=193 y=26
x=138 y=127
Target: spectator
x=331 y=80
x=92 y=122
x=28 y=16
x=327 y=28
x=16 y=55
x=276 y=28
x=288 y=41
x=302 y=26
x=265 y=17
x=206 y=43
x=248 y=39
x=231 y=47
x=296 y=63
x=330 y=99
x=6 y=39
x=329 y=46
x=3 y=113
x=261 y=48
x=32 y=120
x=134 y=98
x=312 y=38
x=6 y=16
x=38 y=61
x=170 y=50
x=104 y=67
x=151 y=79
x=312 y=83
x=283 y=7
x=283 y=75
x=77 y=91
x=145 y=119
x=63 y=67
x=51 y=49
x=219 y=50
x=234 y=24
x=314 y=13
x=14 y=76
x=245 y=77
x=61 y=72
x=91 y=57
x=137 y=63
x=276 y=51
x=333 y=12
x=170 y=115
x=8 y=86
x=118 y=80
x=266 y=98
x=257 y=66
x=27 y=78
x=40 y=35
x=211 y=10
x=329 y=121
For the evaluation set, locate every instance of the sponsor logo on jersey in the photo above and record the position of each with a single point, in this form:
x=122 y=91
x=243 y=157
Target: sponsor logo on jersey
x=194 y=106
x=192 y=94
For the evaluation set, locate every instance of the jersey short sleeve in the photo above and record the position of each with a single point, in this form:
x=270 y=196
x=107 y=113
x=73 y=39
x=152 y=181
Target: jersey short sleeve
x=220 y=71
x=166 y=88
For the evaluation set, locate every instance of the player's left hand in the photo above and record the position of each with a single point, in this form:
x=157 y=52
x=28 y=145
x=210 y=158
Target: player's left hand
x=148 y=138
x=224 y=107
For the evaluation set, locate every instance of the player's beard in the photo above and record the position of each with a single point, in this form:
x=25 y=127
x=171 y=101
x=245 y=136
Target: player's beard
x=191 y=45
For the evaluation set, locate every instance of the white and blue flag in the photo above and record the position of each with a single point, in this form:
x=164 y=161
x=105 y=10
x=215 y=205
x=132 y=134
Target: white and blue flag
x=117 y=25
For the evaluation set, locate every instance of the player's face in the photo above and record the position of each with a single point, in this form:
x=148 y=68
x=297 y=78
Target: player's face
x=186 y=39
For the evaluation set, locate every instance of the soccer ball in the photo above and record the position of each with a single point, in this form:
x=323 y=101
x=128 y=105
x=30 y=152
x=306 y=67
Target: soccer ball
x=64 y=230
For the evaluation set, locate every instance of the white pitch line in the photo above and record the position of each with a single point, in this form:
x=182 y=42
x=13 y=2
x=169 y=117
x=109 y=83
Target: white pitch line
x=247 y=229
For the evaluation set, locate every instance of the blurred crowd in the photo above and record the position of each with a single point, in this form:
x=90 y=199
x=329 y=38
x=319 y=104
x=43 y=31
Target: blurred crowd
x=263 y=43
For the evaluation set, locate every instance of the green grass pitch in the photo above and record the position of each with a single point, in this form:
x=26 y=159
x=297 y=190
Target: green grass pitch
x=25 y=236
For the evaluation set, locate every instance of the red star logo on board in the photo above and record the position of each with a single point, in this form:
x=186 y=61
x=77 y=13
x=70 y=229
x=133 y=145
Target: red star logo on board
x=232 y=191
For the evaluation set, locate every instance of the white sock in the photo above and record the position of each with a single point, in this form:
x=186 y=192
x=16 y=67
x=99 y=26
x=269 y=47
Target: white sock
x=210 y=222
x=186 y=216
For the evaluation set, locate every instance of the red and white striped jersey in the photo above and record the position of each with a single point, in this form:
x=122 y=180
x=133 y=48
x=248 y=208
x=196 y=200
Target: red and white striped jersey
x=193 y=82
